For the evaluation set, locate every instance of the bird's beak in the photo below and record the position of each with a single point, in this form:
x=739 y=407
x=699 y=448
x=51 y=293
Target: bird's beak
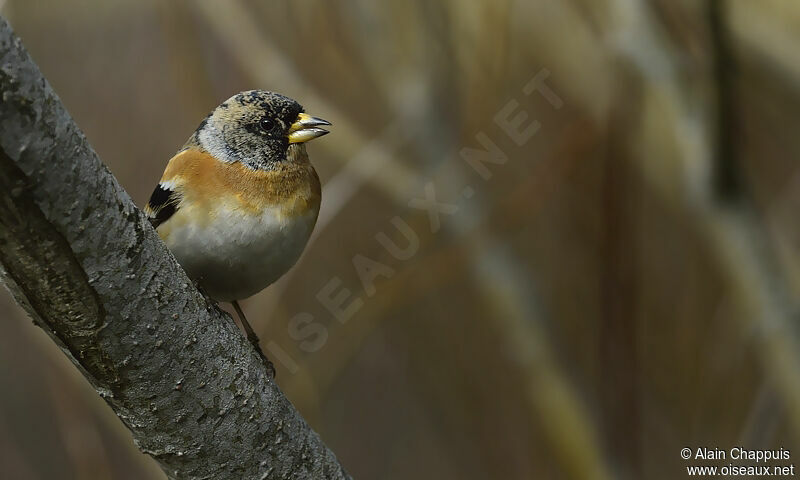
x=306 y=128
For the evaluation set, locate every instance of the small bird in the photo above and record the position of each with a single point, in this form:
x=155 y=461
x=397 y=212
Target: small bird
x=237 y=204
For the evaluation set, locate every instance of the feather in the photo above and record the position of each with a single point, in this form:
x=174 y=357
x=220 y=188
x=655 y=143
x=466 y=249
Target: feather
x=162 y=205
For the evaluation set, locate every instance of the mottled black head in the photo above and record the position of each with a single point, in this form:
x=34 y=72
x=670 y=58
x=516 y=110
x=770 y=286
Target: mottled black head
x=256 y=128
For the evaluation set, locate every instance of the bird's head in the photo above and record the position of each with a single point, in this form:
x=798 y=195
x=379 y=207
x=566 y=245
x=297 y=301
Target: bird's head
x=258 y=128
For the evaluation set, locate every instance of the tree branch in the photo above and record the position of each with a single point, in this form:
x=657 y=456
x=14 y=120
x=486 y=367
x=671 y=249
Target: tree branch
x=79 y=256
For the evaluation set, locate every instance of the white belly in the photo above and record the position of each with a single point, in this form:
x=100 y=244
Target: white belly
x=236 y=255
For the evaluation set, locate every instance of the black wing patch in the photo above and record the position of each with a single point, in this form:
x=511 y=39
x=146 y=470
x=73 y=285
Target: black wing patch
x=162 y=205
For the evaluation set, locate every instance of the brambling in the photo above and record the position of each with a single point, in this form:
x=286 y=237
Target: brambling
x=237 y=204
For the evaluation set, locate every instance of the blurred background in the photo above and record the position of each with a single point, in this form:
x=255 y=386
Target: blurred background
x=624 y=281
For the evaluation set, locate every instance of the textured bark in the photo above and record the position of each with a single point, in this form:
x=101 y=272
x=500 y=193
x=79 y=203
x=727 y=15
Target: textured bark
x=79 y=256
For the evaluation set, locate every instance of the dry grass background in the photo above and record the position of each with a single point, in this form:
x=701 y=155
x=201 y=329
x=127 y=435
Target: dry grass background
x=625 y=285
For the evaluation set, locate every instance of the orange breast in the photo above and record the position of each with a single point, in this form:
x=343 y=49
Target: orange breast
x=205 y=183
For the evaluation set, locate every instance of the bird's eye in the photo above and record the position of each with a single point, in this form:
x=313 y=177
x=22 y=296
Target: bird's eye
x=267 y=124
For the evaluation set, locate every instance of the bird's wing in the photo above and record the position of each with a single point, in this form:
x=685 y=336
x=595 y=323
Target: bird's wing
x=162 y=205
x=167 y=196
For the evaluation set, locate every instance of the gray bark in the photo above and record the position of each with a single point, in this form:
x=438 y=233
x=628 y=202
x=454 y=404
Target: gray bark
x=84 y=262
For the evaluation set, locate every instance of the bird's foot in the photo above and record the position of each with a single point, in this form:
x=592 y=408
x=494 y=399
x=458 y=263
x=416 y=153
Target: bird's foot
x=267 y=363
x=253 y=339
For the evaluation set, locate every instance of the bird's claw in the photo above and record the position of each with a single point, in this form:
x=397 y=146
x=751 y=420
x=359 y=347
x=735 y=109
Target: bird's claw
x=267 y=363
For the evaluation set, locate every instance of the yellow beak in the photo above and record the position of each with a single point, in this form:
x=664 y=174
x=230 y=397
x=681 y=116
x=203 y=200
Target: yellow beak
x=307 y=128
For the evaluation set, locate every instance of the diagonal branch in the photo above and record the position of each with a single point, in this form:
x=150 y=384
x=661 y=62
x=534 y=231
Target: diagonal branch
x=78 y=255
